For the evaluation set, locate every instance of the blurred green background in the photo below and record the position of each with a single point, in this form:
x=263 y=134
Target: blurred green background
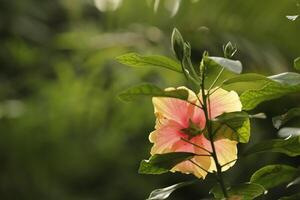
x=63 y=132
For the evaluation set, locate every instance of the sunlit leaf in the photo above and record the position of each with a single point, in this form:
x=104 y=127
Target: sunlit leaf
x=278 y=86
x=287 y=78
x=231 y=65
x=136 y=60
x=234 y=126
x=292 y=17
x=274 y=175
x=297 y=64
x=248 y=81
x=280 y=120
x=162 y=163
x=164 y=193
x=152 y=91
x=244 y=191
x=290 y=146
x=289 y=132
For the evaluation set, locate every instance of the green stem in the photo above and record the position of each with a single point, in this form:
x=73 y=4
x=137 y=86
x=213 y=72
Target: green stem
x=206 y=109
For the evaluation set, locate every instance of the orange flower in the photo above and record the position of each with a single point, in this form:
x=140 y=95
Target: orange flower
x=179 y=126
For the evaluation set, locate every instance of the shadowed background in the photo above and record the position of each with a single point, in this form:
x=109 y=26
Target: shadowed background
x=63 y=132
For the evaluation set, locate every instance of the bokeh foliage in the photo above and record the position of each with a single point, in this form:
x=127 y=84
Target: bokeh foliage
x=63 y=132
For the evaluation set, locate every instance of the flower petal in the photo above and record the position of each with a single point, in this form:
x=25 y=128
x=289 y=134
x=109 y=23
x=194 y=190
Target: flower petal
x=202 y=160
x=222 y=101
x=226 y=153
x=174 y=109
x=165 y=137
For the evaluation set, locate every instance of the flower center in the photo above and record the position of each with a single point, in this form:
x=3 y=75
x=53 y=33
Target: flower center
x=192 y=130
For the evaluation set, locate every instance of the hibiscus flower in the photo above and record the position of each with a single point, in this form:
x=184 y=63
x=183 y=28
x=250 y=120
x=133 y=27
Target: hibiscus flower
x=180 y=126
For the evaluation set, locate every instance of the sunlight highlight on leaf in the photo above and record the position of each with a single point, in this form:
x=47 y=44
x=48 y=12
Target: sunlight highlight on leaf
x=172 y=6
x=292 y=17
x=107 y=5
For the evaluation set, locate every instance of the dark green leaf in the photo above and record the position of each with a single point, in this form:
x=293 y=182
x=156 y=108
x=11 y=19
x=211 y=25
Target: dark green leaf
x=216 y=190
x=152 y=91
x=297 y=64
x=277 y=86
x=234 y=126
x=280 y=120
x=234 y=66
x=244 y=191
x=293 y=197
x=274 y=175
x=248 y=191
x=162 y=163
x=136 y=60
x=164 y=193
x=290 y=147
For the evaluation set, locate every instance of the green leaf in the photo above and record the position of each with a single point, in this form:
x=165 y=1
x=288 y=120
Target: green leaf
x=290 y=147
x=280 y=120
x=287 y=78
x=274 y=175
x=136 y=60
x=297 y=64
x=244 y=191
x=248 y=191
x=152 y=91
x=277 y=86
x=234 y=126
x=162 y=163
x=242 y=82
x=293 y=197
x=164 y=193
x=234 y=66
x=255 y=89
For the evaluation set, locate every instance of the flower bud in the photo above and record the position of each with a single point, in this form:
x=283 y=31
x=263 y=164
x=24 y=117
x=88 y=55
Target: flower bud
x=229 y=50
x=177 y=44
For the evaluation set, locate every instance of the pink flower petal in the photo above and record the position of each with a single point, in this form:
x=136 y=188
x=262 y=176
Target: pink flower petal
x=222 y=101
x=226 y=152
x=173 y=109
x=165 y=137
